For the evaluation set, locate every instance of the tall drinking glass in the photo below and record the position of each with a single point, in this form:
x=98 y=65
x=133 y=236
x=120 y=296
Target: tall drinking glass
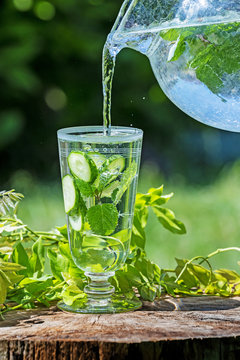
x=99 y=178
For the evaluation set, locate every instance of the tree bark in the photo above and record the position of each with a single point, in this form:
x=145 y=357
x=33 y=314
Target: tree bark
x=199 y=328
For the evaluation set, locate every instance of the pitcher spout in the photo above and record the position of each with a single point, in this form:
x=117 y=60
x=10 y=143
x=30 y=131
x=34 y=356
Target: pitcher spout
x=148 y=17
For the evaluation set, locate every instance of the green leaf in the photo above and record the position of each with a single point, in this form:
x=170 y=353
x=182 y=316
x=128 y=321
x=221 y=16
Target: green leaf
x=19 y=256
x=58 y=263
x=63 y=231
x=154 y=197
x=8 y=266
x=167 y=218
x=139 y=223
x=146 y=267
x=141 y=217
x=37 y=259
x=104 y=179
x=85 y=188
x=148 y=292
x=74 y=276
x=71 y=294
x=103 y=218
x=74 y=272
x=123 y=235
x=208 y=49
x=65 y=251
x=82 y=208
x=134 y=276
x=35 y=287
x=187 y=277
x=160 y=200
x=229 y=275
x=179 y=49
x=203 y=275
x=5 y=253
x=126 y=180
x=121 y=281
x=170 y=35
x=3 y=287
x=9 y=200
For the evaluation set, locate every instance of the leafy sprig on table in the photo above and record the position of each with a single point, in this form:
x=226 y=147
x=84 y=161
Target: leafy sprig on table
x=8 y=200
x=37 y=268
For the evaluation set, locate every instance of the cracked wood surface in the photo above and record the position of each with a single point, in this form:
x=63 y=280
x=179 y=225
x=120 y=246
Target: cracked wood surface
x=163 y=327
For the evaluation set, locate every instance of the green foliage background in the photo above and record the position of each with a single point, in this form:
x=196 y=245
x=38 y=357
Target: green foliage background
x=50 y=76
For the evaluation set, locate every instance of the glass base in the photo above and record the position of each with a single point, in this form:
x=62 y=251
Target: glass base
x=116 y=304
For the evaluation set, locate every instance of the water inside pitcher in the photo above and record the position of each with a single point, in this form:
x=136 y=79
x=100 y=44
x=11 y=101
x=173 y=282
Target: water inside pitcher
x=194 y=50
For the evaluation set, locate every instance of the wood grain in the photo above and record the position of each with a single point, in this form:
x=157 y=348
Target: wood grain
x=205 y=328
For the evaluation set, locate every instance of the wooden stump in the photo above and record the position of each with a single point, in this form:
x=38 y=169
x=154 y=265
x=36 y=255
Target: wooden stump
x=200 y=328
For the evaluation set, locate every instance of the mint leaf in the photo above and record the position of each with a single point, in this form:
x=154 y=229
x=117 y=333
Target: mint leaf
x=126 y=180
x=156 y=197
x=72 y=293
x=103 y=218
x=152 y=198
x=58 y=264
x=208 y=49
x=8 y=277
x=85 y=188
x=4 y=283
x=134 y=276
x=82 y=208
x=230 y=275
x=19 y=256
x=148 y=292
x=167 y=218
x=139 y=223
x=203 y=275
x=186 y=276
x=63 y=231
x=37 y=259
x=9 y=266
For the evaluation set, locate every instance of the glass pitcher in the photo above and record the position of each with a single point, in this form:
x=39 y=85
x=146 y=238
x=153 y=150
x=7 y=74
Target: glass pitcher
x=194 y=50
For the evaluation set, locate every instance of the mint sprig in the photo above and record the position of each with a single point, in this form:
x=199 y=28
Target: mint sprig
x=106 y=184
x=126 y=180
x=208 y=49
x=27 y=280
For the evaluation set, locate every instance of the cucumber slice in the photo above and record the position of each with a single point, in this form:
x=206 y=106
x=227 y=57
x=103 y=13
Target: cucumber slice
x=76 y=221
x=116 y=164
x=97 y=158
x=82 y=166
x=70 y=194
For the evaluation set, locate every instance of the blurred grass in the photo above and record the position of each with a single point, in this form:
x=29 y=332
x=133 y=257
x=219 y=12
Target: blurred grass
x=210 y=213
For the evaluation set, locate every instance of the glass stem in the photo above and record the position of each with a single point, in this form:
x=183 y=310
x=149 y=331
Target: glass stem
x=99 y=290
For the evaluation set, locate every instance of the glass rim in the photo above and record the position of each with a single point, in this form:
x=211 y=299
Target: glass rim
x=86 y=133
